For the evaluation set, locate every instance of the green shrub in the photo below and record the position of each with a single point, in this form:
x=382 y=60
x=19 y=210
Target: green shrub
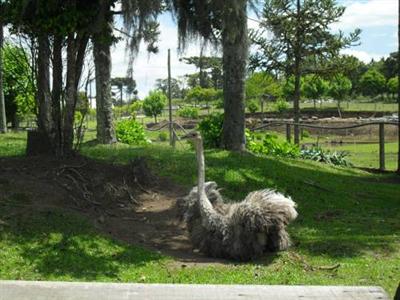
x=134 y=108
x=305 y=134
x=131 y=132
x=163 y=136
x=211 y=130
x=252 y=106
x=337 y=158
x=219 y=104
x=271 y=146
x=189 y=112
x=281 y=106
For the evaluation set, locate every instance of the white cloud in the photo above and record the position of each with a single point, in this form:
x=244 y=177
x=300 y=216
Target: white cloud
x=371 y=13
x=363 y=55
x=149 y=68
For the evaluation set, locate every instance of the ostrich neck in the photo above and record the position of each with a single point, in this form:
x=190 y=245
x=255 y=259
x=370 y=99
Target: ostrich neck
x=206 y=208
x=200 y=168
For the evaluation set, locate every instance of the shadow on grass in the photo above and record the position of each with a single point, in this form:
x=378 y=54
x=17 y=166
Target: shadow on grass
x=61 y=245
x=342 y=212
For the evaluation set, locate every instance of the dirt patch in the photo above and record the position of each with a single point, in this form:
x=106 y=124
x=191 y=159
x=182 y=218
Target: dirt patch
x=125 y=202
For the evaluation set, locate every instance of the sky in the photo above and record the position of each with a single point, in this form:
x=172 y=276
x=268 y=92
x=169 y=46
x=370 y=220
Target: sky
x=376 y=18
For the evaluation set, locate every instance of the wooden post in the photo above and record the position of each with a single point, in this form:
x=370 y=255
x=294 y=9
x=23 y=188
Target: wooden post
x=171 y=134
x=382 y=146
x=288 y=133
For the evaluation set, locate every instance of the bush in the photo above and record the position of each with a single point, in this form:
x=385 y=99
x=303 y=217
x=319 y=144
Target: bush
x=281 y=106
x=305 y=134
x=326 y=156
x=189 y=112
x=252 y=106
x=219 y=104
x=163 y=136
x=134 y=108
x=211 y=130
x=271 y=146
x=131 y=132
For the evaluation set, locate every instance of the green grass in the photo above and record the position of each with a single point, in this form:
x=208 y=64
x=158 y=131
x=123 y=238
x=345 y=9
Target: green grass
x=346 y=216
x=367 y=155
x=355 y=106
x=12 y=144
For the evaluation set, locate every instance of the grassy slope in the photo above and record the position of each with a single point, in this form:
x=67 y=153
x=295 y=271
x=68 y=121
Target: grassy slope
x=346 y=216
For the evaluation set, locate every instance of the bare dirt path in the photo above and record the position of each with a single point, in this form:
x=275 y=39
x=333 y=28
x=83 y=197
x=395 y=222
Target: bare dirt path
x=125 y=202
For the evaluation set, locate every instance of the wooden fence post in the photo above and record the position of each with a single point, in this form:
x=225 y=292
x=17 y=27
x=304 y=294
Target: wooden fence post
x=382 y=146
x=171 y=128
x=288 y=133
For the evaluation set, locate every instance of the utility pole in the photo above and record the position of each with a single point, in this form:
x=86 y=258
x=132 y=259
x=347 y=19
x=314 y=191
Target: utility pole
x=3 y=121
x=171 y=127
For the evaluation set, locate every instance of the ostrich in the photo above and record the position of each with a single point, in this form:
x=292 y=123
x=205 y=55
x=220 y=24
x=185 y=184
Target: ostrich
x=239 y=231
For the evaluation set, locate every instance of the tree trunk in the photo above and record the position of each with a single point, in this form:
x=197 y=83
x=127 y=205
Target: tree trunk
x=75 y=55
x=102 y=40
x=45 y=124
x=15 y=121
x=57 y=94
x=68 y=130
x=235 y=52
x=41 y=141
x=3 y=120
x=297 y=82
x=398 y=103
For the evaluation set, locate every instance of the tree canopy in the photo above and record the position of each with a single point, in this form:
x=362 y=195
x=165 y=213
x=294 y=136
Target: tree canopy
x=372 y=82
x=154 y=104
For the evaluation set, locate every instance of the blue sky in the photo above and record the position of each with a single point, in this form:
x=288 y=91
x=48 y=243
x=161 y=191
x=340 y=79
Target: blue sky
x=376 y=18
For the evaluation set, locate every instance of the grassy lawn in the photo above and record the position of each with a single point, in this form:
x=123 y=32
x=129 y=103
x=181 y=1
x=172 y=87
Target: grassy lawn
x=367 y=155
x=356 y=106
x=346 y=217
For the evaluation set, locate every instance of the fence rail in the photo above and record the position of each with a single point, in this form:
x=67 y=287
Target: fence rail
x=305 y=125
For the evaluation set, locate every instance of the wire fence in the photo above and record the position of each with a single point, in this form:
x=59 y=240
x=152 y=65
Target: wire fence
x=366 y=141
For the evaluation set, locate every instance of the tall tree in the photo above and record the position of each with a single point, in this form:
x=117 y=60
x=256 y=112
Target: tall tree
x=139 y=19
x=102 y=40
x=301 y=35
x=127 y=83
x=176 y=91
x=398 y=93
x=53 y=24
x=210 y=70
x=225 y=23
x=3 y=121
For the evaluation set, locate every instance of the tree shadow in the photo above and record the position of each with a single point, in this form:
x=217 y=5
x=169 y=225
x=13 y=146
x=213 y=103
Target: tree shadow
x=59 y=244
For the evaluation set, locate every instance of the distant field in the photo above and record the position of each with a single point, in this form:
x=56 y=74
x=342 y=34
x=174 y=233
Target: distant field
x=356 y=106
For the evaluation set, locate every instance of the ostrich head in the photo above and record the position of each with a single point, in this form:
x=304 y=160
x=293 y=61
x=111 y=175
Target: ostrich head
x=193 y=136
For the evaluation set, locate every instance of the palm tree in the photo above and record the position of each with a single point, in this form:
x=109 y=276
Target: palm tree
x=222 y=22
